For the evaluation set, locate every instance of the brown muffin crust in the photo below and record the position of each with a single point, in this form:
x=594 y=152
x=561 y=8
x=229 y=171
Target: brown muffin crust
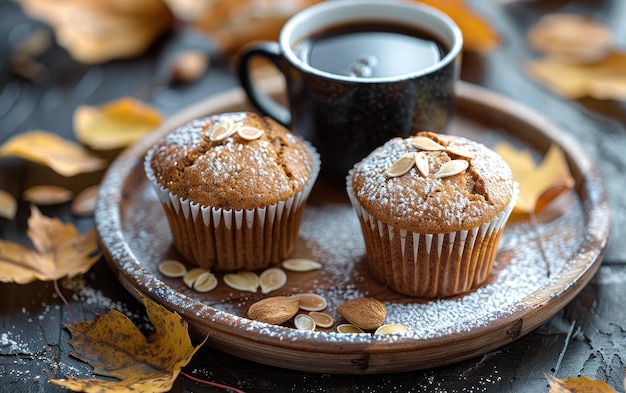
x=232 y=173
x=426 y=204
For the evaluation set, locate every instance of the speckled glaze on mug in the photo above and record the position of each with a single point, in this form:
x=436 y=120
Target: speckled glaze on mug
x=345 y=117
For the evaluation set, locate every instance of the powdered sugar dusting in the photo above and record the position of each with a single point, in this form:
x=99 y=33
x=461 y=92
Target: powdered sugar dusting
x=332 y=234
x=420 y=203
x=135 y=235
x=524 y=274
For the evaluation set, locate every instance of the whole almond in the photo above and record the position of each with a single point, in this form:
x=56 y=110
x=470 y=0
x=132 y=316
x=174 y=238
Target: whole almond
x=274 y=310
x=364 y=312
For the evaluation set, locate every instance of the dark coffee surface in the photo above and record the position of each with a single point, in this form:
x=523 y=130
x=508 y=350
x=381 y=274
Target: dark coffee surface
x=371 y=50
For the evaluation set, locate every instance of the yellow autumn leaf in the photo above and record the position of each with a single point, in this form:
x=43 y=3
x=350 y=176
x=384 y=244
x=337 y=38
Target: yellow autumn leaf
x=116 y=348
x=65 y=157
x=115 y=124
x=478 y=34
x=604 y=79
x=578 y=385
x=538 y=185
x=59 y=251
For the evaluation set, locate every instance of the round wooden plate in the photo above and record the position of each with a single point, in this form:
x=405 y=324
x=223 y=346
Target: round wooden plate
x=539 y=268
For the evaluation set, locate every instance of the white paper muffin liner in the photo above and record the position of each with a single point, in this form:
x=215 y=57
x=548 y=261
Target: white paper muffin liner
x=431 y=265
x=225 y=240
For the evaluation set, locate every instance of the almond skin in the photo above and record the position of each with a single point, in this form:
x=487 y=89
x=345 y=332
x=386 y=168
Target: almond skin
x=274 y=310
x=364 y=312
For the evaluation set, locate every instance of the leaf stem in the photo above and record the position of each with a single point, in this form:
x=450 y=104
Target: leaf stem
x=67 y=304
x=215 y=384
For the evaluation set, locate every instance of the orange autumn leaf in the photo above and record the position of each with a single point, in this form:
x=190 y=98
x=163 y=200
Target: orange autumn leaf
x=115 y=124
x=116 y=348
x=59 y=251
x=538 y=184
x=578 y=385
x=604 y=79
x=65 y=157
x=478 y=34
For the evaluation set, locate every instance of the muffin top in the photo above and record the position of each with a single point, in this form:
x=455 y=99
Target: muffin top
x=433 y=183
x=231 y=161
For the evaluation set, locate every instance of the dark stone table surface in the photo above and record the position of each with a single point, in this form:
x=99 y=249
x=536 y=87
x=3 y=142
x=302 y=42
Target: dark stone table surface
x=587 y=337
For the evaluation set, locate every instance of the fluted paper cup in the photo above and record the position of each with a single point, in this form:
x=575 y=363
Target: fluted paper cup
x=430 y=265
x=230 y=240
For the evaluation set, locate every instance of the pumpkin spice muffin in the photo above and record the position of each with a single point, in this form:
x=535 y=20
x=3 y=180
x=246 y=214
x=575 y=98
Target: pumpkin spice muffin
x=432 y=208
x=233 y=187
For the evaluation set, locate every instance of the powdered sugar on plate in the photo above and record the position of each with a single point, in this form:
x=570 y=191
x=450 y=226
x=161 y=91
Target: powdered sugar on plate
x=331 y=233
x=537 y=271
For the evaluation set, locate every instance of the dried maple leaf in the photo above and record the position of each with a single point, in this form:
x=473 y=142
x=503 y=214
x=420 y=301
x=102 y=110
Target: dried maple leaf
x=116 y=348
x=64 y=157
x=478 y=34
x=538 y=185
x=580 y=384
x=115 y=124
x=605 y=79
x=59 y=251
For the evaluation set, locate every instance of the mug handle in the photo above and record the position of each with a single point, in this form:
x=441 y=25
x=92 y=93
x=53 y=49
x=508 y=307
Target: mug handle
x=263 y=102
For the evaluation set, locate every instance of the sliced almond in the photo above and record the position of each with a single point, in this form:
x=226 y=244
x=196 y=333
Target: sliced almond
x=242 y=281
x=402 y=165
x=451 y=168
x=272 y=279
x=364 y=312
x=250 y=133
x=322 y=319
x=421 y=162
x=349 y=329
x=85 y=202
x=392 y=328
x=458 y=151
x=252 y=277
x=47 y=195
x=311 y=301
x=304 y=322
x=274 y=310
x=205 y=282
x=172 y=268
x=220 y=131
x=8 y=205
x=425 y=143
x=301 y=265
x=189 y=65
x=190 y=277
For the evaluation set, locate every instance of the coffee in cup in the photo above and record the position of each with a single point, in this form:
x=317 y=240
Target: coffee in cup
x=359 y=72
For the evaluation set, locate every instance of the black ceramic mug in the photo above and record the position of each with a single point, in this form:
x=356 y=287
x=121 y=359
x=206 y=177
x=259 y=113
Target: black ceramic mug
x=359 y=72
